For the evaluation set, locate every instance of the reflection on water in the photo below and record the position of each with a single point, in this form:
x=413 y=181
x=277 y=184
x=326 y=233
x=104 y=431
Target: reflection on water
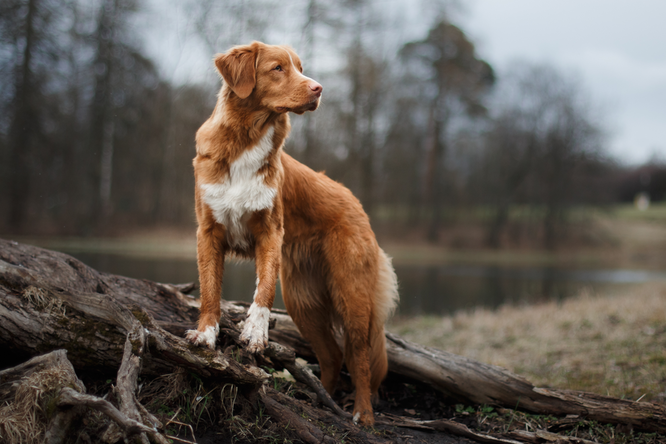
x=448 y=288
x=438 y=289
x=239 y=278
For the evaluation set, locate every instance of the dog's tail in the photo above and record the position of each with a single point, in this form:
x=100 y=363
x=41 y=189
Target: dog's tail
x=385 y=301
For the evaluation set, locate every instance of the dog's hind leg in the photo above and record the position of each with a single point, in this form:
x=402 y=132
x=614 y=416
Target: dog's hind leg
x=304 y=298
x=357 y=358
x=353 y=298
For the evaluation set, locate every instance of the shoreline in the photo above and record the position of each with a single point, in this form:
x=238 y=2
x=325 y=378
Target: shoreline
x=183 y=247
x=611 y=344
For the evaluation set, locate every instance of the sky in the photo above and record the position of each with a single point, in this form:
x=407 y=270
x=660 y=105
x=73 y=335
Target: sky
x=615 y=48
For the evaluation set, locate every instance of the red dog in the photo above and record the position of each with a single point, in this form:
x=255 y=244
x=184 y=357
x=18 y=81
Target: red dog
x=255 y=201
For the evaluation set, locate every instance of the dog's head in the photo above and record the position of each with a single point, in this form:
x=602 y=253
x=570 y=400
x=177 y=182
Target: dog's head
x=271 y=76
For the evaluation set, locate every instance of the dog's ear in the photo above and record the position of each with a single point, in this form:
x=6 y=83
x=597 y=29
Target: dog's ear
x=238 y=68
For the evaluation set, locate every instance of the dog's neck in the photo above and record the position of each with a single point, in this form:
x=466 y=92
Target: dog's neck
x=241 y=123
x=245 y=116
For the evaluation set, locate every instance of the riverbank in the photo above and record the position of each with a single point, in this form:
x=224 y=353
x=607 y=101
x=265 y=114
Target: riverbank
x=611 y=343
x=608 y=344
x=631 y=239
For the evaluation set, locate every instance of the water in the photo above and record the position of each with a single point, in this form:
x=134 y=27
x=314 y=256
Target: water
x=448 y=288
x=433 y=290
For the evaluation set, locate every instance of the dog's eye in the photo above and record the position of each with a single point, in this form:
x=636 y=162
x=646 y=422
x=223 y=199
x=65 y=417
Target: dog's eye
x=278 y=68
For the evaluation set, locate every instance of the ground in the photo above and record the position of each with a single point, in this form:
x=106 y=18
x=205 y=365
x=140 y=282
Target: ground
x=608 y=344
x=611 y=344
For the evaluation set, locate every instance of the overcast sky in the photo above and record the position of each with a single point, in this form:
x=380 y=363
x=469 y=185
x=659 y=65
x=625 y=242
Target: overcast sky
x=617 y=48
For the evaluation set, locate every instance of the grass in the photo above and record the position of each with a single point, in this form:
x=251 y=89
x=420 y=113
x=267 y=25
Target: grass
x=656 y=212
x=507 y=421
x=24 y=418
x=608 y=344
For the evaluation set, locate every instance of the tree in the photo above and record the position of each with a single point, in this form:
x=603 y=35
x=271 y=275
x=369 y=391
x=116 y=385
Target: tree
x=543 y=133
x=453 y=82
x=113 y=55
x=28 y=74
x=222 y=24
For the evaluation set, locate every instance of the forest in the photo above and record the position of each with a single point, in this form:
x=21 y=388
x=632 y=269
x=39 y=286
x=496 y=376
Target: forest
x=95 y=139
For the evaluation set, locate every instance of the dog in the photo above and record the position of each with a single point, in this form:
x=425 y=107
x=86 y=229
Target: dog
x=254 y=201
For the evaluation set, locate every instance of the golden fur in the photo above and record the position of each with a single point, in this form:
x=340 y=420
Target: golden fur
x=313 y=232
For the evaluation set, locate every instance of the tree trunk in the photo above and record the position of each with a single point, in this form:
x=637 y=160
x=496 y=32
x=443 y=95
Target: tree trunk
x=24 y=125
x=111 y=324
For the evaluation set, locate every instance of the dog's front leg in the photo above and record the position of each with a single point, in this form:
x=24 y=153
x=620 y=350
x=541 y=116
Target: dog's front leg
x=210 y=259
x=268 y=252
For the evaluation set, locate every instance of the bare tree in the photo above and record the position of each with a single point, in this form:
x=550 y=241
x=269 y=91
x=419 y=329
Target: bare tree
x=222 y=24
x=27 y=28
x=110 y=47
x=543 y=133
x=454 y=82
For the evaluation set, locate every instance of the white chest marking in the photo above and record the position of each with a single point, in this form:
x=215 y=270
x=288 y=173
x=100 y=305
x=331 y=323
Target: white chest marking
x=242 y=192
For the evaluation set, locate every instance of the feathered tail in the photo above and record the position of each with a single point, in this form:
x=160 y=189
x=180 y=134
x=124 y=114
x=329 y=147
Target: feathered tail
x=385 y=301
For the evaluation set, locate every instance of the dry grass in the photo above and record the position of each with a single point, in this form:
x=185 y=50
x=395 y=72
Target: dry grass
x=612 y=345
x=24 y=419
x=41 y=300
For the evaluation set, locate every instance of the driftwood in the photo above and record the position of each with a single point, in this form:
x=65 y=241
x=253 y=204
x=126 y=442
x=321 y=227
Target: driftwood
x=470 y=381
x=26 y=384
x=114 y=325
x=479 y=383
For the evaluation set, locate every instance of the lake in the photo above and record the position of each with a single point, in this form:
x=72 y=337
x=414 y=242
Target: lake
x=424 y=289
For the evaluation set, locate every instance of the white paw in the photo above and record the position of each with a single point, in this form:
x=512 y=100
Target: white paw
x=206 y=337
x=255 y=330
x=356 y=416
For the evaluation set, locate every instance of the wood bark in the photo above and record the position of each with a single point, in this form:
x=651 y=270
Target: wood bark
x=109 y=324
x=25 y=383
x=474 y=382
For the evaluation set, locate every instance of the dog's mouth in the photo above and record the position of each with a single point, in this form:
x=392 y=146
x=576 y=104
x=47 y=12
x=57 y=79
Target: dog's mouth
x=314 y=104
x=309 y=106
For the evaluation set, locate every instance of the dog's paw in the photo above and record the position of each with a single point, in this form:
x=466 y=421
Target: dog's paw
x=206 y=337
x=365 y=419
x=255 y=330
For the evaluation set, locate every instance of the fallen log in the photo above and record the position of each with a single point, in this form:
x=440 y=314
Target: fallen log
x=24 y=392
x=50 y=301
x=470 y=381
x=478 y=383
x=30 y=391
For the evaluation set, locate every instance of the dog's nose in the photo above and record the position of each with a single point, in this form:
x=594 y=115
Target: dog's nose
x=316 y=88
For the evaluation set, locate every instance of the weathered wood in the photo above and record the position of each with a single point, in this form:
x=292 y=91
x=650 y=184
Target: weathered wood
x=69 y=397
x=478 y=383
x=282 y=414
x=474 y=382
x=47 y=373
x=56 y=359
x=49 y=300
x=445 y=425
x=281 y=354
x=73 y=400
x=543 y=437
x=300 y=409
